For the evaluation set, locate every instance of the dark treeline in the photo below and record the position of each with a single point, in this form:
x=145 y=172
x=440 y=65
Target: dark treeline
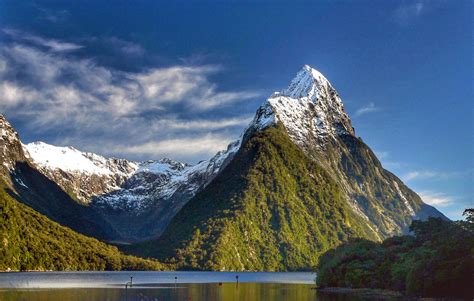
x=436 y=261
x=31 y=241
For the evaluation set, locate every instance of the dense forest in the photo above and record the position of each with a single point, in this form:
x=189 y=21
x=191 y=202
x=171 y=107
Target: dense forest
x=435 y=261
x=31 y=241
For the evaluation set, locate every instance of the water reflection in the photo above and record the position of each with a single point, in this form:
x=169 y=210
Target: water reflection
x=182 y=292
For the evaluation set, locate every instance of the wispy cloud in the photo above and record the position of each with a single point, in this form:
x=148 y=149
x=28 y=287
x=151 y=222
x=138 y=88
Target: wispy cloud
x=52 y=15
x=382 y=154
x=436 y=198
x=369 y=108
x=423 y=174
x=52 y=44
x=47 y=86
x=430 y=174
x=127 y=47
x=408 y=11
x=203 y=123
x=182 y=147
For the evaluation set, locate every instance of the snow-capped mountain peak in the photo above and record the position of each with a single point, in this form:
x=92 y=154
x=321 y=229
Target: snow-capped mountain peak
x=307 y=83
x=309 y=108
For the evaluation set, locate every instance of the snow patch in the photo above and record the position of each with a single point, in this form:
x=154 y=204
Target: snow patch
x=404 y=199
x=70 y=159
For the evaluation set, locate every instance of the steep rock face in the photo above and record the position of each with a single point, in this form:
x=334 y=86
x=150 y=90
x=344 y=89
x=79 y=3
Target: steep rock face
x=11 y=150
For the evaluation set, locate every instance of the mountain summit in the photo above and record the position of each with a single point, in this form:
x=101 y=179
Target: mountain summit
x=310 y=109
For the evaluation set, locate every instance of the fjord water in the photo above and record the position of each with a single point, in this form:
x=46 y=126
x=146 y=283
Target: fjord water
x=95 y=286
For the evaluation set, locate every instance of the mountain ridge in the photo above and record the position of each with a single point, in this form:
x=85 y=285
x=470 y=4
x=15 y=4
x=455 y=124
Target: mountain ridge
x=123 y=201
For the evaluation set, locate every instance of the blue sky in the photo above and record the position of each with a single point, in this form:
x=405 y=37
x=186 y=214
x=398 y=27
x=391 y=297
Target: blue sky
x=148 y=79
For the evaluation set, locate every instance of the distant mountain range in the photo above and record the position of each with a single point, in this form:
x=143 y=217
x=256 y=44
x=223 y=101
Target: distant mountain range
x=297 y=182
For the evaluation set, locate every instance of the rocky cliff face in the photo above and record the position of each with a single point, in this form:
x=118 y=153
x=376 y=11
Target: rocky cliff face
x=11 y=150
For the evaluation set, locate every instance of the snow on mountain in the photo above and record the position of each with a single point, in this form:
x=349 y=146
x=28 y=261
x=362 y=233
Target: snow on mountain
x=81 y=174
x=118 y=183
x=157 y=181
x=69 y=159
x=10 y=147
x=313 y=114
x=309 y=108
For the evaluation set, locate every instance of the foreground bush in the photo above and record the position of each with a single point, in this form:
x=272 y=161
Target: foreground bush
x=436 y=261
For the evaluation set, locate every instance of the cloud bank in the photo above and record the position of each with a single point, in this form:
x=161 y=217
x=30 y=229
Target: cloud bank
x=165 y=111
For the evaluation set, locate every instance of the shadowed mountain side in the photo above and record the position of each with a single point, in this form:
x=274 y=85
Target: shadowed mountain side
x=43 y=195
x=388 y=203
x=146 y=224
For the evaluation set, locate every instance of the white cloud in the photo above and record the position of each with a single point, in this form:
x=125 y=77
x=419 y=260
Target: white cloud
x=436 y=198
x=52 y=90
x=201 y=123
x=382 y=154
x=423 y=174
x=52 y=44
x=205 y=146
x=430 y=174
x=175 y=83
x=214 y=99
x=51 y=15
x=407 y=12
x=126 y=47
x=369 y=108
x=12 y=94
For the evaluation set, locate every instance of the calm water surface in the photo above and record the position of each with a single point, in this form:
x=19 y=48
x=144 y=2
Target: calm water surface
x=153 y=286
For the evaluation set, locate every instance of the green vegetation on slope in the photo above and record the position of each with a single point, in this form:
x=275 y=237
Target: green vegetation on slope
x=270 y=209
x=436 y=262
x=31 y=241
